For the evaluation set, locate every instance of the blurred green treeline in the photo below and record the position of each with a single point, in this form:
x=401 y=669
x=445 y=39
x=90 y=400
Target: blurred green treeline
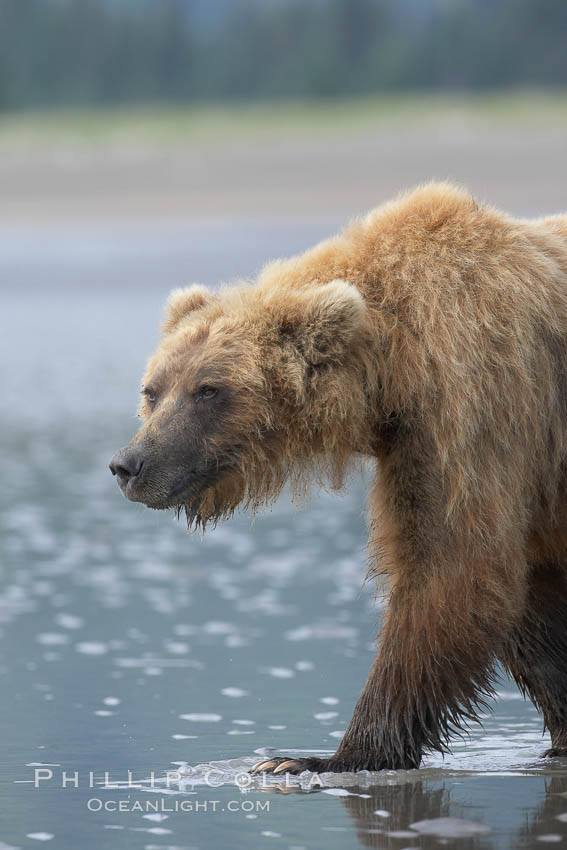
x=74 y=52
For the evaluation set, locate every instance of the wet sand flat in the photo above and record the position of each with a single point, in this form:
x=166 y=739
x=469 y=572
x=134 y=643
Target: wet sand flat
x=301 y=167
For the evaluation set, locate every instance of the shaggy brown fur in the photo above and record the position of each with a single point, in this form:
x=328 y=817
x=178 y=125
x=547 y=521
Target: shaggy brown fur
x=431 y=335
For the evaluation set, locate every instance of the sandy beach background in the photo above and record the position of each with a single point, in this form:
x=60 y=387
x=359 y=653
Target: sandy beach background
x=331 y=159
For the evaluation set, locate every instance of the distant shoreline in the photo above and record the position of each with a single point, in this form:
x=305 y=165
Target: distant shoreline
x=181 y=124
x=328 y=158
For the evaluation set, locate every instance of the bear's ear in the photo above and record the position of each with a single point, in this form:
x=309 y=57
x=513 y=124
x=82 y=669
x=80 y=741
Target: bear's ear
x=323 y=321
x=181 y=302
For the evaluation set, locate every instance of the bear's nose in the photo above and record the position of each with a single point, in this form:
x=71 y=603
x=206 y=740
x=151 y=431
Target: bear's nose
x=126 y=464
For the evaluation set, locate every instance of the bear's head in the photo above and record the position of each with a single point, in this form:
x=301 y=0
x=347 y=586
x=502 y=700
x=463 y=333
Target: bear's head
x=247 y=388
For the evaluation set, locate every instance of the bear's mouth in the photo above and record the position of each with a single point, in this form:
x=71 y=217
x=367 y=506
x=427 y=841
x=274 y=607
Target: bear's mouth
x=185 y=482
x=177 y=486
x=189 y=488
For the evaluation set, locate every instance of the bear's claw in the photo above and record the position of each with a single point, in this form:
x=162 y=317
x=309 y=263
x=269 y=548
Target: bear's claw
x=261 y=766
x=283 y=764
x=555 y=752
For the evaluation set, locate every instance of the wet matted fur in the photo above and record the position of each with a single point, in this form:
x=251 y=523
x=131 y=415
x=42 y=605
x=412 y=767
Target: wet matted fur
x=431 y=336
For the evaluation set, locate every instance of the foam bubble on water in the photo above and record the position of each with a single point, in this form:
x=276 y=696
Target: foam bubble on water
x=42 y=763
x=304 y=666
x=153 y=830
x=234 y=692
x=132 y=663
x=52 y=639
x=167 y=847
x=111 y=701
x=69 y=621
x=91 y=647
x=326 y=715
x=244 y=722
x=382 y=813
x=322 y=631
x=40 y=836
x=329 y=700
x=240 y=732
x=154 y=571
x=269 y=834
x=277 y=727
x=156 y=817
x=551 y=838
x=450 y=827
x=279 y=672
x=202 y=718
x=337 y=733
x=13 y=601
x=179 y=737
x=237 y=641
x=216 y=627
x=177 y=647
x=265 y=602
x=103 y=713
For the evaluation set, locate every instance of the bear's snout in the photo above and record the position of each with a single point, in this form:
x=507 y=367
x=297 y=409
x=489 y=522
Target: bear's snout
x=126 y=465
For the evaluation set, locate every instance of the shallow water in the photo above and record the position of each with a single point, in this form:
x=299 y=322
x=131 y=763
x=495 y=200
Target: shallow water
x=144 y=668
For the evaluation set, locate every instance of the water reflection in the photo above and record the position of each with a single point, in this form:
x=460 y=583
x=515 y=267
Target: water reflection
x=418 y=808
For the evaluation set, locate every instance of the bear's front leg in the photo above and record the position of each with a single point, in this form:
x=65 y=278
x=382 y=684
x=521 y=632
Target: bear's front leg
x=433 y=669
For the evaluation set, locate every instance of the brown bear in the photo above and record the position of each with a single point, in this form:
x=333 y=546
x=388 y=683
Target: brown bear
x=431 y=337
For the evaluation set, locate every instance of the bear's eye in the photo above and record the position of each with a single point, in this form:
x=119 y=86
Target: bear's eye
x=150 y=395
x=206 y=392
